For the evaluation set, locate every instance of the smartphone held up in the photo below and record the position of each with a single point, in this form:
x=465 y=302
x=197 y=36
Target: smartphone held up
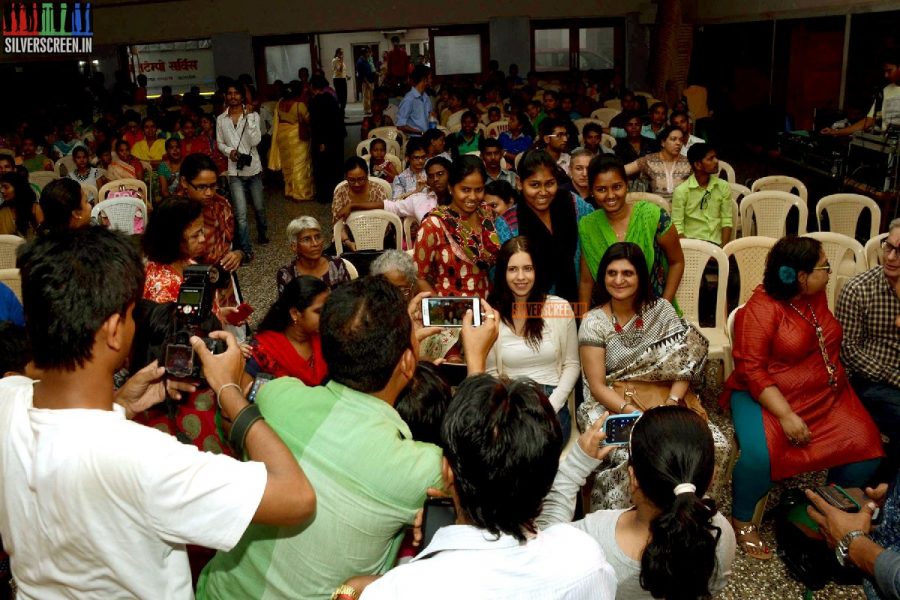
x=449 y=312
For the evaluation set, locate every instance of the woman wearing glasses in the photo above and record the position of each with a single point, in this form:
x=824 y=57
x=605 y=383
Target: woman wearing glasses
x=307 y=243
x=789 y=395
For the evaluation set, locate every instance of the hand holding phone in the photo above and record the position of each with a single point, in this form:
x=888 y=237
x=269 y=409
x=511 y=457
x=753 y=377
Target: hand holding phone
x=449 y=311
x=618 y=429
x=240 y=315
x=438 y=513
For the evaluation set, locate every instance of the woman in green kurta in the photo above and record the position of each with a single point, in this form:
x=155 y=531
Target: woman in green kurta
x=643 y=223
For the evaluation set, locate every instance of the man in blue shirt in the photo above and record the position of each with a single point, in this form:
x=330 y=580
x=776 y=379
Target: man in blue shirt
x=415 y=109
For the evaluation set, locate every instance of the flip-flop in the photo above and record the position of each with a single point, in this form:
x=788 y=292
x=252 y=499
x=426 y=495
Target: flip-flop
x=758 y=550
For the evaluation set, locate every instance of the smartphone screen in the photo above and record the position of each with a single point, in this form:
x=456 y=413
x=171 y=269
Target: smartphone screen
x=261 y=380
x=618 y=429
x=179 y=360
x=449 y=312
x=438 y=513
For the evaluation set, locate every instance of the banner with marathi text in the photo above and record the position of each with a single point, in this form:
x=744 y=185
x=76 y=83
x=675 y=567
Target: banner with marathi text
x=180 y=69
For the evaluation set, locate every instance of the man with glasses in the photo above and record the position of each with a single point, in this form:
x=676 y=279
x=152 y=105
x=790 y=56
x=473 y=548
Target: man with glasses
x=868 y=308
x=556 y=139
x=701 y=205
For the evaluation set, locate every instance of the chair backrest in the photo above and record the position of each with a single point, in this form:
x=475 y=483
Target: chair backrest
x=843 y=212
x=729 y=326
x=9 y=245
x=64 y=166
x=92 y=193
x=656 y=199
x=750 y=254
x=363 y=148
x=124 y=184
x=368 y=228
x=738 y=192
x=874 y=255
x=770 y=209
x=728 y=171
x=382 y=184
x=847 y=258
x=606 y=114
x=496 y=128
x=398 y=165
x=41 y=178
x=646 y=95
x=124 y=214
x=454 y=121
x=780 y=183
x=608 y=140
x=388 y=133
x=697 y=253
x=580 y=123
x=351 y=270
x=615 y=104
x=408 y=224
x=13 y=281
x=392 y=111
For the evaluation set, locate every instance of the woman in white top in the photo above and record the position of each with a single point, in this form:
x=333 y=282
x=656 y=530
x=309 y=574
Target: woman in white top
x=537 y=331
x=672 y=543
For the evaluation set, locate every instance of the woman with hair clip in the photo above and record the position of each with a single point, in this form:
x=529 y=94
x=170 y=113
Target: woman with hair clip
x=636 y=354
x=287 y=342
x=548 y=215
x=672 y=543
x=537 y=336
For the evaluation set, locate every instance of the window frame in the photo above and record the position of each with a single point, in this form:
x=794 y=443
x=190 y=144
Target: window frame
x=480 y=29
x=617 y=24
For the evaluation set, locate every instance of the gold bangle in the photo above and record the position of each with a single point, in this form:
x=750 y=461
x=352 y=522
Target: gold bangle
x=234 y=385
x=344 y=592
x=624 y=404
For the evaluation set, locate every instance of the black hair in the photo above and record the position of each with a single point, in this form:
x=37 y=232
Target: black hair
x=469 y=114
x=671 y=445
x=464 y=166
x=172 y=140
x=162 y=241
x=604 y=163
x=678 y=113
x=489 y=142
x=549 y=124
x=365 y=330
x=194 y=164
x=355 y=162
x=525 y=122
x=10 y=159
x=551 y=94
x=656 y=105
x=72 y=282
x=432 y=134
x=146 y=120
x=318 y=82
x=665 y=132
x=790 y=256
x=414 y=144
x=79 y=150
x=698 y=152
x=377 y=141
x=58 y=199
x=644 y=296
x=423 y=403
x=534 y=160
x=439 y=160
x=15 y=352
x=502 y=439
x=24 y=199
x=502 y=189
x=419 y=73
x=890 y=56
x=299 y=293
x=503 y=299
x=591 y=127
x=121 y=141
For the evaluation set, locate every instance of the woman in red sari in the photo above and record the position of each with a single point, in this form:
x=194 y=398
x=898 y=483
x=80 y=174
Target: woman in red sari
x=287 y=343
x=792 y=407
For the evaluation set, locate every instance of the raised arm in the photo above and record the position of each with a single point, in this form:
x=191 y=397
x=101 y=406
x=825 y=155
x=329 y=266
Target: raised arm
x=669 y=243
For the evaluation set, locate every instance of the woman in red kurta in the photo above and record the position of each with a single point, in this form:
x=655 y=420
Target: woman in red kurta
x=793 y=409
x=288 y=343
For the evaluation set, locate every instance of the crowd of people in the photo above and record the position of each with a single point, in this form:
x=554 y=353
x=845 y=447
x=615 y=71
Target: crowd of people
x=153 y=444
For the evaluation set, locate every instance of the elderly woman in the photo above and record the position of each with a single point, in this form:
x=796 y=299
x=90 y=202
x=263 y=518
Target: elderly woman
x=174 y=238
x=287 y=342
x=307 y=243
x=789 y=395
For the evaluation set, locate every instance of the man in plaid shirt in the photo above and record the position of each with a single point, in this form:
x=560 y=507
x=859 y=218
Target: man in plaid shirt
x=869 y=309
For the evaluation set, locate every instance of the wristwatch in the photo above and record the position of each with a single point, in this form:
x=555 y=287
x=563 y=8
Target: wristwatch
x=842 y=550
x=673 y=399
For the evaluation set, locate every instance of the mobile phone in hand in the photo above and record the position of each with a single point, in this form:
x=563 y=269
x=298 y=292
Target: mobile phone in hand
x=243 y=311
x=618 y=429
x=438 y=513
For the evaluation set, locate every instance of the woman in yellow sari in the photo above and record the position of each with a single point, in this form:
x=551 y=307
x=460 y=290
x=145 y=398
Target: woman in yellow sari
x=290 y=152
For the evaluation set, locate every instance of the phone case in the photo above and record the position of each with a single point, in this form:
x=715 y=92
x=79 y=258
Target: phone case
x=618 y=429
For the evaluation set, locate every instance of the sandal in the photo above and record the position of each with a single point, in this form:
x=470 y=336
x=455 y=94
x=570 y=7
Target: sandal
x=758 y=549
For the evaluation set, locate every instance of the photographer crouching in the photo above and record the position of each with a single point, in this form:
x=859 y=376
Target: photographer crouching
x=90 y=501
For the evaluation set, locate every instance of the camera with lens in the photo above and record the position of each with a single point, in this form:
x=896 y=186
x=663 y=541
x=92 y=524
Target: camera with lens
x=193 y=310
x=243 y=160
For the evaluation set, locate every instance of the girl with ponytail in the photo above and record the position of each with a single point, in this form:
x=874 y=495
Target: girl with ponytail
x=672 y=543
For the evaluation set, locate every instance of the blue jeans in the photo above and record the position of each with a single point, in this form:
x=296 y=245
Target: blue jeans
x=240 y=187
x=565 y=419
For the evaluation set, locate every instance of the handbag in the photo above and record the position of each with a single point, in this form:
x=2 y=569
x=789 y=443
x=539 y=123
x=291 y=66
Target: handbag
x=645 y=395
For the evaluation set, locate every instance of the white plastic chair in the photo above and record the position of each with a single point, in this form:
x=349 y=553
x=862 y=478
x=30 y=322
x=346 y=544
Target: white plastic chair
x=780 y=183
x=738 y=192
x=389 y=133
x=42 y=178
x=392 y=111
x=608 y=140
x=382 y=184
x=697 y=253
x=843 y=212
x=363 y=148
x=351 y=270
x=615 y=104
x=408 y=224
x=726 y=168
x=847 y=258
x=64 y=166
x=606 y=114
x=454 y=121
x=496 y=128
x=368 y=228
x=580 y=123
x=398 y=166
x=770 y=210
x=92 y=193
x=656 y=199
x=874 y=253
x=12 y=280
x=9 y=245
x=750 y=254
x=646 y=95
x=124 y=184
x=121 y=213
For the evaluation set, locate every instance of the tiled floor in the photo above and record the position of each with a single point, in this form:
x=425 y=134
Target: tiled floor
x=752 y=580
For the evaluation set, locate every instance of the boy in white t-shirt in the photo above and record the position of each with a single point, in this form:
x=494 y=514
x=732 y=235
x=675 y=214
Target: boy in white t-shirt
x=890 y=101
x=91 y=504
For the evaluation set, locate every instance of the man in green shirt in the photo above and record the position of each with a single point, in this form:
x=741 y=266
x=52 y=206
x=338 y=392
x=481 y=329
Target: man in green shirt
x=370 y=476
x=701 y=205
